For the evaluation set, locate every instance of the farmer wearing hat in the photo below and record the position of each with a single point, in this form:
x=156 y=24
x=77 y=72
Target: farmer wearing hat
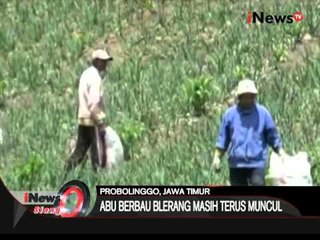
x=246 y=131
x=91 y=118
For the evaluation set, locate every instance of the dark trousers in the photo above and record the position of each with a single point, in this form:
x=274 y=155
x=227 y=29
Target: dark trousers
x=247 y=176
x=87 y=138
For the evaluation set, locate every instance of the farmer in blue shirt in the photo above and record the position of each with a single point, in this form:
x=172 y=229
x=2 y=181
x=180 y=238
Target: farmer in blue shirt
x=246 y=131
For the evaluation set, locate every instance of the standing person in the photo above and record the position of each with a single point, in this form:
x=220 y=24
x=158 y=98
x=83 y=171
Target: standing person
x=91 y=117
x=246 y=131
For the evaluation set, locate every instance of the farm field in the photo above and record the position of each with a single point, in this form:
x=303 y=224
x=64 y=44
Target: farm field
x=176 y=64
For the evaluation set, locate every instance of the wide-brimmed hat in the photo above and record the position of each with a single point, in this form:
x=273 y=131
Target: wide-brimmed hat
x=246 y=86
x=101 y=54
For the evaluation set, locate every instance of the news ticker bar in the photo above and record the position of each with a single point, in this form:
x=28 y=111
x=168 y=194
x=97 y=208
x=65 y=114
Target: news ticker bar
x=129 y=201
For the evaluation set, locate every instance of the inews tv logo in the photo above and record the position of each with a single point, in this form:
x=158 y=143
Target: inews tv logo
x=58 y=203
x=261 y=17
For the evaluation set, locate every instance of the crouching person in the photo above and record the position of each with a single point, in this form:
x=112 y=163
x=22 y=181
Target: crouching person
x=246 y=131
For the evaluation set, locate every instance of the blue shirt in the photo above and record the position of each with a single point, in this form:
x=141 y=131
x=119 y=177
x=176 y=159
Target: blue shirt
x=246 y=134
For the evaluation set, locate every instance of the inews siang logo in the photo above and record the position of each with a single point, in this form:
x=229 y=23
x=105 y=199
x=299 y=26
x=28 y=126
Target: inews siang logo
x=72 y=200
x=261 y=17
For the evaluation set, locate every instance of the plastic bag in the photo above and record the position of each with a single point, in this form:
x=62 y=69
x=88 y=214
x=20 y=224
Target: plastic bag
x=114 y=148
x=290 y=170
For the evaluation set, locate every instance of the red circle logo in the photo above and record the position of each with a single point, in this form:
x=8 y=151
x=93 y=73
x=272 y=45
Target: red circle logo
x=81 y=193
x=64 y=212
x=298 y=16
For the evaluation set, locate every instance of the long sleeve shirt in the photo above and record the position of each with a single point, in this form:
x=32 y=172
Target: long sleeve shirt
x=90 y=97
x=246 y=134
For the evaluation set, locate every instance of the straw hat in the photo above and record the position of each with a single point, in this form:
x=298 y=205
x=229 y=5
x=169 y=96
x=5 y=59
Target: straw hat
x=101 y=54
x=246 y=86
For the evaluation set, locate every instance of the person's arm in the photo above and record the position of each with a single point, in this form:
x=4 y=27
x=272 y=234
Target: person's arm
x=272 y=135
x=93 y=101
x=223 y=139
x=222 y=143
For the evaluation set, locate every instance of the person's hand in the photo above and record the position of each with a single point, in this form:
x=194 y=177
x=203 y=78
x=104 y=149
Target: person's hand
x=216 y=164
x=282 y=154
x=102 y=126
x=102 y=129
x=98 y=116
